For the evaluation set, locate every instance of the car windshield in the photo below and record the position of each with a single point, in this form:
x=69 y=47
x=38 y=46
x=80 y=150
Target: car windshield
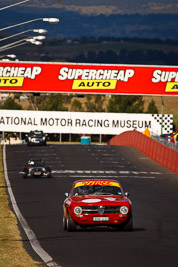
x=97 y=189
x=36 y=133
x=36 y=163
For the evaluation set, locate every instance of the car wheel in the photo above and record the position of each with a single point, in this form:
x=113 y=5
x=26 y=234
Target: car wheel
x=71 y=226
x=25 y=175
x=64 y=222
x=129 y=225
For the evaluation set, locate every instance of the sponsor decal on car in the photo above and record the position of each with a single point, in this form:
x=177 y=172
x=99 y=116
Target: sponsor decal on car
x=92 y=200
x=97 y=183
x=112 y=198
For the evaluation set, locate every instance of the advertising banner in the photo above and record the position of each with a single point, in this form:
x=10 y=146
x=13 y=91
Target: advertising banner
x=88 y=78
x=83 y=122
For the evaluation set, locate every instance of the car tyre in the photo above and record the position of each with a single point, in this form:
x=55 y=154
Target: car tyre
x=64 y=222
x=25 y=175
x=49 y=175
x=129 y=225
x=71 y=226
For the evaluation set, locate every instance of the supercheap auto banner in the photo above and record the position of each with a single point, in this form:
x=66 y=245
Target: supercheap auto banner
x=88 y=78
x=83 y=122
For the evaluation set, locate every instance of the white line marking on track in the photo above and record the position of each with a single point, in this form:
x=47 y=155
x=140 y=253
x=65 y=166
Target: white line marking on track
x=102 y=171
x=42 y=154
x=30 y=234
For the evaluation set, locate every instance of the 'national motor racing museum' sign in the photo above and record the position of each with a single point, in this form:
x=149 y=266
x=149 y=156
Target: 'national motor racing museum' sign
x=83 y=122
x=88 y=78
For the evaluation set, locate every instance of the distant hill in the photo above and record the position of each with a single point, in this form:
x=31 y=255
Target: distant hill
x=74 y=24
x=97 y=7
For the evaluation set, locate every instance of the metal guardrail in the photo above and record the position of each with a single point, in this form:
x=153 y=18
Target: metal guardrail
x=164 y=141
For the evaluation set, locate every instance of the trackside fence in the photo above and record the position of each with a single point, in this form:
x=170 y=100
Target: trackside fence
x=158 y=152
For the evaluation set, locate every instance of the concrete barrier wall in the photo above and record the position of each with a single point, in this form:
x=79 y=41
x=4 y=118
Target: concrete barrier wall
x=158 y=152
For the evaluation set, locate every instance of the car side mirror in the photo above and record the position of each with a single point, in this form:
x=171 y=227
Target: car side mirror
x=127 y=194
x=66 y=194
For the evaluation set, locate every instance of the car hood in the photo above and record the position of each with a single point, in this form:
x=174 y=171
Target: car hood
x=37 y=168
x=99 y=200
x=36 y=136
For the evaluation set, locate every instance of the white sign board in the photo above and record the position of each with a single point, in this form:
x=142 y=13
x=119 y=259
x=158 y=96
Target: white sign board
x=83 y=122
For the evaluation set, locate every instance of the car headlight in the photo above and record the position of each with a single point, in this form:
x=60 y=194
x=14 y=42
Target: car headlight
x=78 y=210
x=124 y=210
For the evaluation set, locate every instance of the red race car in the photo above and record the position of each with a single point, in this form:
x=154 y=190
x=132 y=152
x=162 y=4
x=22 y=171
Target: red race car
x=97 y=203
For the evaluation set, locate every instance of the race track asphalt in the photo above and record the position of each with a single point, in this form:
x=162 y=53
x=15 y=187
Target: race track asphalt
x=153 y=191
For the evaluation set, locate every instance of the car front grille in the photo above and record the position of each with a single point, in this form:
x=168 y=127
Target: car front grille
x=37 y=169
x=37 y=139
x=95 y=209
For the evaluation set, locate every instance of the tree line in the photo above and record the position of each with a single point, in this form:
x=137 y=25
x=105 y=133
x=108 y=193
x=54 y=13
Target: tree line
x=149 y=57
x=89 y=103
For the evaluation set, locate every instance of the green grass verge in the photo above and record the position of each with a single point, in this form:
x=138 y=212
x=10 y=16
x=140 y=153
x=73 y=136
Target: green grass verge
x=12 y=252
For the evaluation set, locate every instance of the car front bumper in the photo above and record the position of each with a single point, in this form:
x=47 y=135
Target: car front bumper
x=106 y=219
x=36 y=141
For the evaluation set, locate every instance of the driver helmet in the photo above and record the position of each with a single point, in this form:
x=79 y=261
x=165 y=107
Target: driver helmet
x=30 y=162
